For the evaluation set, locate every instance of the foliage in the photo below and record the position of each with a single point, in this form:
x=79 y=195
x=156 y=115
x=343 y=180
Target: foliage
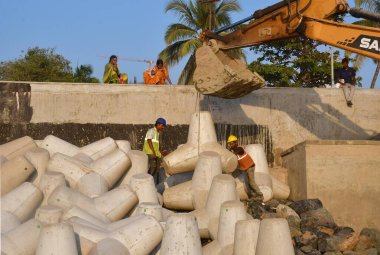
x=182 y=38
x=297 y=62
x=43 y=65
x=83 y=74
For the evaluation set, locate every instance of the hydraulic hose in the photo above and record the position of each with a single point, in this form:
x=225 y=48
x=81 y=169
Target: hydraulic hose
x=360 y=13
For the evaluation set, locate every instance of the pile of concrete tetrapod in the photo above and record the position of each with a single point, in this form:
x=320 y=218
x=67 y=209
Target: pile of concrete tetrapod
x=57 y=198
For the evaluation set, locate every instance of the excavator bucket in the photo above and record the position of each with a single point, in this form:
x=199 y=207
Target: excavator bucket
x=222 y=75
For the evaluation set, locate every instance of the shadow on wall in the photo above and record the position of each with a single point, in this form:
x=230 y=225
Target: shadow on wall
x=249 y=133
x=304 y=106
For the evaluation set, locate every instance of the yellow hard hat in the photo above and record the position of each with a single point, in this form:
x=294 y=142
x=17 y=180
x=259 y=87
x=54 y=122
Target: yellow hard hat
x=232 y=138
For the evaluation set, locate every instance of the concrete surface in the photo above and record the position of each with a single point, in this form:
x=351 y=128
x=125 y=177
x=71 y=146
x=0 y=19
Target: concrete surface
x=276 y=117
x=344 y=175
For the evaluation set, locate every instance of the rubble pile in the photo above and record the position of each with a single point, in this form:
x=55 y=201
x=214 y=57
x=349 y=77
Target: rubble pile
x=313 y=229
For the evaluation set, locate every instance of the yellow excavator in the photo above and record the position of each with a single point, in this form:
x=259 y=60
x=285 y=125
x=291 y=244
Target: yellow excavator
x=221 y=74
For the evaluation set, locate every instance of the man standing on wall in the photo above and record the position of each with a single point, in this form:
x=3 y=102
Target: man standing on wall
x=246 y=167
x=152 y=147
x=346 y=77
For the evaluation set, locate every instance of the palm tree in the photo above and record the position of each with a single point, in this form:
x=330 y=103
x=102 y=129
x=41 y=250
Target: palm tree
x=182 y=38
x=374 y=6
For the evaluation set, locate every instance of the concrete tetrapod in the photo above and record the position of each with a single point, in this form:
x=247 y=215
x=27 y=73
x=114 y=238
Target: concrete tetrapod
x=112 y=166
x=48 y=214
x=54 y=145
x=246 y=235
x=94 y=179
x=181 y=236
x=99 y=148
x=72 y=169
x=76 y=212
x=39 y=158
x=109 y=246
x=280 y=189
x=140 y=234
x=92 y=185
x=114 y=204
x=49 y=182
x=274 y=238
x=201 y=137
x=57 y=239
x=143 y=185
x=22 y=240
x=19 y=204
x=223 y=188
x=262 y=177
x=17 y=147
x=230 y=213
x=124 y=145
x=14 y=172
x=193 y=194
x=139 y=165
x=156 y=210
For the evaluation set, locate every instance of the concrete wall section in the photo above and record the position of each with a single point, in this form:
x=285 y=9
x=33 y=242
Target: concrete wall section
x=295 y=115
x=278 y=118
x=344 y=175
x=114 y=104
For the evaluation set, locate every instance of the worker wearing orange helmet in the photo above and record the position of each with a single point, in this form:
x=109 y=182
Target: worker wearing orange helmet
x=246 y=167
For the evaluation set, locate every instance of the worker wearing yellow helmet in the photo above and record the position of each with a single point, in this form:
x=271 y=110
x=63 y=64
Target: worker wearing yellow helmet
x=246 y=167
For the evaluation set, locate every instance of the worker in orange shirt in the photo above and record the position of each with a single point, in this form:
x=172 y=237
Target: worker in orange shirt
x=158 y=75
x=246 y=167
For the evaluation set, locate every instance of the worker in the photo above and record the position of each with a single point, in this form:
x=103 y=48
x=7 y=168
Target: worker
x=158 y=75
x=246 y=168
x=112 y=73
x=346 y=76
x=152 y=147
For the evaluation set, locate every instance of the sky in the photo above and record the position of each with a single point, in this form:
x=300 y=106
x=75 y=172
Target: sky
x=82 y=30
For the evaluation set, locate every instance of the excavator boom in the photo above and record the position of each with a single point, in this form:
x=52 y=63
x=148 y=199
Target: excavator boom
x=286 y=19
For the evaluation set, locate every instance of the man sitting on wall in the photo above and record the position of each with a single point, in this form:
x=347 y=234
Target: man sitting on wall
x=346 y=77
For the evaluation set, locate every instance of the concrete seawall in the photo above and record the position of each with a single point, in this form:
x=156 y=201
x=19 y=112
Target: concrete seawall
x=277 y=117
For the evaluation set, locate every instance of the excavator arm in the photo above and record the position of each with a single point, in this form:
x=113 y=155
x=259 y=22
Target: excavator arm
x=286 y=19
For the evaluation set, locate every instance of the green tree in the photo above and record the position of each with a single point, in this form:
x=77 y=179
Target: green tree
x=37 y=65
x=44 y=65
x=293 y=63
x=374 y=6
x=182 y=38
x=83 y=74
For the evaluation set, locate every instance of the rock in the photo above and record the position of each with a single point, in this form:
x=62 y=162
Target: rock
x=309 y=238
x=338 y=242
x=303 y=206
x=285 y=211
x=272 y=203
x=367 y=239
x=328 y=231
x=316 y=218
x=371 y=251
x=294 y=226
x=333 y=253
x=349 y=243
x=307 y=249
x=299 y=252
x=269 y=215
x=344 y=230
x=314 y=252
x=256 y=209
x=349 y=253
